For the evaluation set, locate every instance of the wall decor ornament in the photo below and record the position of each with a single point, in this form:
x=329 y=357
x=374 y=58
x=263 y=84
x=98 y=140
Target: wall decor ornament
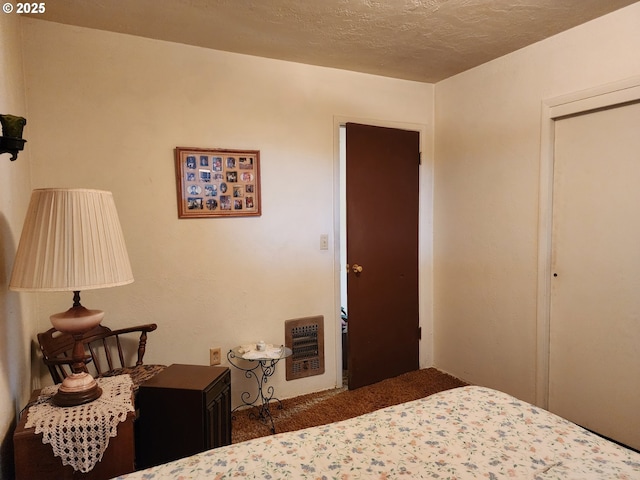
x=215 y=182
x=11 y=140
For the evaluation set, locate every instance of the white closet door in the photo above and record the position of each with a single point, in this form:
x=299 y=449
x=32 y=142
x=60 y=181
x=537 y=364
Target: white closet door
x=594 y=362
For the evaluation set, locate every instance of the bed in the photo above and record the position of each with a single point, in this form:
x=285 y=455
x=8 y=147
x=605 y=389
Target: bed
x=467 y=432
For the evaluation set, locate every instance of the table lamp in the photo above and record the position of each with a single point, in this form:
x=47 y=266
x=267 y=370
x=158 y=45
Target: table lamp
x=72 y=241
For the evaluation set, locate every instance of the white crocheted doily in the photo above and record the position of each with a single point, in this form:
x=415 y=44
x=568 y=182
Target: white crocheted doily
x=80 y=435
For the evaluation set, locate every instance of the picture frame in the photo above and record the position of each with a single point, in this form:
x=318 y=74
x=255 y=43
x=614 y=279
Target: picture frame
x=217 y=182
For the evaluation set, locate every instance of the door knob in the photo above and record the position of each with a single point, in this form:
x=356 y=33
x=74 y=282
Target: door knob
x=357 y=268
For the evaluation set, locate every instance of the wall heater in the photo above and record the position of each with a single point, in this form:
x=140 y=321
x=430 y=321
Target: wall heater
x=305 y=337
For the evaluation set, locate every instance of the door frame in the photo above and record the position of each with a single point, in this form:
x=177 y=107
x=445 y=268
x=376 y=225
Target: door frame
x=425 y=234
x=605 y=96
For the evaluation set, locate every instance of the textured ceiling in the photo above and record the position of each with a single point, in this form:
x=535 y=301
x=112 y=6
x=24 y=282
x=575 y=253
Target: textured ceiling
x=423 y=40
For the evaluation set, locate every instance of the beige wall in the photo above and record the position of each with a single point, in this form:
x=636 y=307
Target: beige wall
x=486 y=195
x=106 y=112
x=16 y=311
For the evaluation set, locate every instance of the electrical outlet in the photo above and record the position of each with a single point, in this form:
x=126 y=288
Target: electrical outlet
x=214 y=356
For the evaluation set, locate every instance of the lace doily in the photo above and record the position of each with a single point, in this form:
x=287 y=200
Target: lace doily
x=80 y=435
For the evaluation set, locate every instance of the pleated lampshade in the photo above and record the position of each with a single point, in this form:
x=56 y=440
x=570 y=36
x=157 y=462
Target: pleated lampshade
x=71 y=241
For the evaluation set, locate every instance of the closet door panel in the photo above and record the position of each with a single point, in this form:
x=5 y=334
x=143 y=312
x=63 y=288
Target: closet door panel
x=594 y=362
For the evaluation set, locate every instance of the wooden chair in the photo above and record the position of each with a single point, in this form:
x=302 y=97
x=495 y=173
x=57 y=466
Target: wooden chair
x=109 y=352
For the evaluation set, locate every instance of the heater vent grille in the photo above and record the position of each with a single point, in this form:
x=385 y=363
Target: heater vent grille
x=305 y=338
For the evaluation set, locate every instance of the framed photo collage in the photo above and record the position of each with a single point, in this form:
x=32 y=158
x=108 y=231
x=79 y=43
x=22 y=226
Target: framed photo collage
x=217 y=182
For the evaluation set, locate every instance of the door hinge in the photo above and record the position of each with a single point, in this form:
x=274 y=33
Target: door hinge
x=419 y=333
x=419 y=158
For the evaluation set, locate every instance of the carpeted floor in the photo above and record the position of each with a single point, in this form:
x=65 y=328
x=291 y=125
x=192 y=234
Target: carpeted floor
x=339 y=404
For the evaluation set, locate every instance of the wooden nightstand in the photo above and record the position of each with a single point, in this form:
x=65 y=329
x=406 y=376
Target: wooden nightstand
x=34 y=459
x=183 y=410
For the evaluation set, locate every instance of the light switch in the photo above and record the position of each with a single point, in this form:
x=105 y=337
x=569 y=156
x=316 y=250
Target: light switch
x=324 y=242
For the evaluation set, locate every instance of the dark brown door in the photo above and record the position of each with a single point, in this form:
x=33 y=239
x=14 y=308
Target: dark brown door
x=382 y=239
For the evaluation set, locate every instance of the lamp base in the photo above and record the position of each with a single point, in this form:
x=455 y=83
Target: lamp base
x=77 y=389
x=77 y=320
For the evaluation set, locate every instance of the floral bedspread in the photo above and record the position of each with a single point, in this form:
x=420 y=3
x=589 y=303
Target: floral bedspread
x=465 y=433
